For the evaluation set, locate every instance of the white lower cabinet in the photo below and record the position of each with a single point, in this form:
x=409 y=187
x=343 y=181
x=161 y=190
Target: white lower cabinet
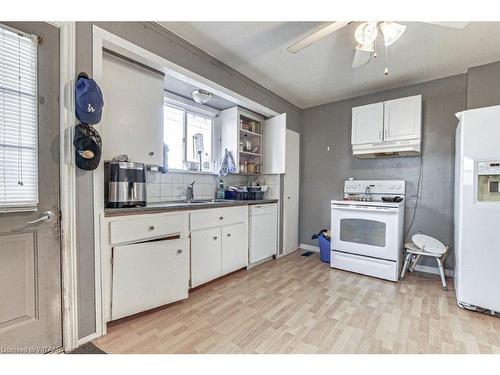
x=149 y=274
x=218 y=246
x=234 y=248
x=205 y=255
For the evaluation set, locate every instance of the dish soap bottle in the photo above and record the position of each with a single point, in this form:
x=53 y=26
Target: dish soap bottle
x=220 y=191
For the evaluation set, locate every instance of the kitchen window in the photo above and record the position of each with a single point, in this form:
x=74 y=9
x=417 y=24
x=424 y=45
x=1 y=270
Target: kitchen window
x=189 y=135
x=18 y=122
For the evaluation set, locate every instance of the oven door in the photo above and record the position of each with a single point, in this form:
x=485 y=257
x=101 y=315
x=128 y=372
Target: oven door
x=366 y=230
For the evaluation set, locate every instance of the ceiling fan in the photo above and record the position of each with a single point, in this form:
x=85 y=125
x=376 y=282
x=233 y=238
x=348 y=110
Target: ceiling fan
x=365 y=35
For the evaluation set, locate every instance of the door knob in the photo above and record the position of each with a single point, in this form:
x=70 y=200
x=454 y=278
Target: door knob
x=46 y=216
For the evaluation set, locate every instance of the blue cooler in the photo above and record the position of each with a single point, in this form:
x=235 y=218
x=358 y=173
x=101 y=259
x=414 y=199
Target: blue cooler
x=324 y=249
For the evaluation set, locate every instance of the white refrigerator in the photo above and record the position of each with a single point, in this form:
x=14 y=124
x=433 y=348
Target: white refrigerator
x=477 y=209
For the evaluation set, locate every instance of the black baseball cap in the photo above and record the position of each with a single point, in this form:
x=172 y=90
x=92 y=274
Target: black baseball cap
x=88 y=145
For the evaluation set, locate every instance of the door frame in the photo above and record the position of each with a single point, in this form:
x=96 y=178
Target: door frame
x=67 y=122
x=102 y=38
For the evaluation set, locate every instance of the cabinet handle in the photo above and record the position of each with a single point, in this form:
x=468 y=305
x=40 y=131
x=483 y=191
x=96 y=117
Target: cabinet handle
x=152 y=227
x=229 y=234
x=221 y=217
x=151 y=153
x=386 y=133
x=179 y=251
x=380 y=134
x=215 y=237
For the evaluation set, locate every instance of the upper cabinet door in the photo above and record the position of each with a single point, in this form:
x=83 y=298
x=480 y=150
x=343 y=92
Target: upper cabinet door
x=274 y=145
x=403 y=118
x=367 y=124
x=132 y=122
x=229 y=133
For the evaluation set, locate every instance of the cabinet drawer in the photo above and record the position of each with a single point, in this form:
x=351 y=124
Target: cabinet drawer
x=218 y=217
x=146 y=227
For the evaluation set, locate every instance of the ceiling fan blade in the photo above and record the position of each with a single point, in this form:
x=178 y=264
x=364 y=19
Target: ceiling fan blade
x=361 y=58
x=452 y=24
x=314 y=37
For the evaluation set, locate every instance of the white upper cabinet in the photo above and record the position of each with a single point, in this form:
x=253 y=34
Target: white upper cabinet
x=256 y=145
x=367 y=123
x=274 y=145
x=387 y=128
x=403 y=118
x=132 y=122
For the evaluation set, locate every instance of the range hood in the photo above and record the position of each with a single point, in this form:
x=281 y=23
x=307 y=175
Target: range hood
x=383 y=149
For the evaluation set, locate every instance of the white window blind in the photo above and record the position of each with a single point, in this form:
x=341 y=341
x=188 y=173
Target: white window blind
x=18 y=122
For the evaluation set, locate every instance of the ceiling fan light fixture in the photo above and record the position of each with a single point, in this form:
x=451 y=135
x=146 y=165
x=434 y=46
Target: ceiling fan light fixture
x=366 y=33
x=367 y=47
x=391 y=31
x=201 y=96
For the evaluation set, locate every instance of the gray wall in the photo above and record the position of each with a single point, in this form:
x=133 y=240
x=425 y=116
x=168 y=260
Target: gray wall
x=171 y=47
x=323 y=172
x=483 y=85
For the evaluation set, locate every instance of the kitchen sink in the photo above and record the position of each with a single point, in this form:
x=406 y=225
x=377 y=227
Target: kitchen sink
x=205 y=201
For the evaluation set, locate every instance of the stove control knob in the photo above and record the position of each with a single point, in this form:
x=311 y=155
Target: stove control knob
x=391 y=187
x=398 y=186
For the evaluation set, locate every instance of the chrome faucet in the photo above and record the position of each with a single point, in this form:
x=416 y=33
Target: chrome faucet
x=189 y=192
x=368 y=192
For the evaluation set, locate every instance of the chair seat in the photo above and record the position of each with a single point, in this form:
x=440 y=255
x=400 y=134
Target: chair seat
x=414 y=249
x=428 y=244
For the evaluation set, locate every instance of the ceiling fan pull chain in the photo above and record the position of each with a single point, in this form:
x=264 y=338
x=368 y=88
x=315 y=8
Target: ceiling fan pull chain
x=386 y=70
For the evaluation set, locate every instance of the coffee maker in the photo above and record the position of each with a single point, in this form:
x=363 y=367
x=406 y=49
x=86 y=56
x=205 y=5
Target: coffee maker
x=125 y=184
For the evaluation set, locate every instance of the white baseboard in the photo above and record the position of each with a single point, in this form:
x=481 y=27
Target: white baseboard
x=305 y=246
x=420 y=268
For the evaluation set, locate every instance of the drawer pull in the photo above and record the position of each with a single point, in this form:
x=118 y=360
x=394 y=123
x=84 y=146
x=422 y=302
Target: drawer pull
x=215 y=237
x=229 y=234
x=221 y=217
x=179 y=251
x=151 y=153
x=152 y=227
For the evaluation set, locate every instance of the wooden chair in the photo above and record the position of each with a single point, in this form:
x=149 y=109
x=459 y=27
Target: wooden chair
x=423 y=245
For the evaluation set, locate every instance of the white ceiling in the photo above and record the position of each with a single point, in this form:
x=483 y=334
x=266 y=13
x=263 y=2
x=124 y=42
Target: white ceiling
x=322 y=72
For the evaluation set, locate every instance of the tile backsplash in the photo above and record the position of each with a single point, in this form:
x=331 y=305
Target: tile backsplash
x=172 y=186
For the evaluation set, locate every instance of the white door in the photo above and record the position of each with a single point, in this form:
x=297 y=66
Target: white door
x=234 y=248
x=274 y=145
x=367 y=124
x=148 y=275
x=132 y=120
x=205 y=255
x=403 y=118
x=291 y=193
x=30 y=240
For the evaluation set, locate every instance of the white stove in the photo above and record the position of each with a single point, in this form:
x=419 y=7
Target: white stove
x=367 y=228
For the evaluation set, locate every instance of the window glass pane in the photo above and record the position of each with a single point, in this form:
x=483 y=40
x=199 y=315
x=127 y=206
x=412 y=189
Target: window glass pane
x=199 y=139
x=362 y=231
x=173 y=135
x=18 y=122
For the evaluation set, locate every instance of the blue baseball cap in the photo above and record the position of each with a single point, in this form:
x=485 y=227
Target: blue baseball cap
x=89 y=100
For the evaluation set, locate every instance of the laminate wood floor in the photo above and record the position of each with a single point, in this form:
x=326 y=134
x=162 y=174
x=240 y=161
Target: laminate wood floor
x=299 y=305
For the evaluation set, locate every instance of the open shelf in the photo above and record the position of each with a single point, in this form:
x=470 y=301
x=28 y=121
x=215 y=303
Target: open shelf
x=250 y=133
x=250 y=153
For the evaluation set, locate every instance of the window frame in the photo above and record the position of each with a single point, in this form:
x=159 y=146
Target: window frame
x=188 y=107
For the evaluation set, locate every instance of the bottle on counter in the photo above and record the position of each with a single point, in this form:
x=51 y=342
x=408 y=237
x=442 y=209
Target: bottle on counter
x=220 y=191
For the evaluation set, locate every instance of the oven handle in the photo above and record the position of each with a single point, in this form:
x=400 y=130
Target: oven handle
x=371 y=209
